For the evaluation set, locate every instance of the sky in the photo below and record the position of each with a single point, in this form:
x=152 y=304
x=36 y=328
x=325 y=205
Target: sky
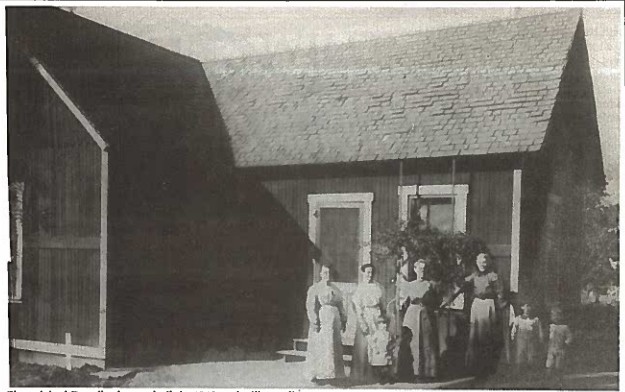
x=210 y=33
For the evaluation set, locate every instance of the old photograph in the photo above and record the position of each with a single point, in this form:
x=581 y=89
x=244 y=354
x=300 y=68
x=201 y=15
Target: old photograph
x=313 y=196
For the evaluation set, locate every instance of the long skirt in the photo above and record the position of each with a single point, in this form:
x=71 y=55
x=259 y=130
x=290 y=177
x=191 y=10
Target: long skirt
x=419 y=344
x=453 y=335
x=482 y=350
x=372 y=348
x=324 y=359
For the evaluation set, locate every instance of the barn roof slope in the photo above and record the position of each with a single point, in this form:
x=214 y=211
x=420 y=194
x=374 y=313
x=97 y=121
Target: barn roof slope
x=478 y=89
x=134 y=92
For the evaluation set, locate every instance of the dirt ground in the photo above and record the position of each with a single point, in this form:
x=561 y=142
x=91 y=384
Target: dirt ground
x=278 y=374
x=256 y=374
x=30 y=375
x=593 y=365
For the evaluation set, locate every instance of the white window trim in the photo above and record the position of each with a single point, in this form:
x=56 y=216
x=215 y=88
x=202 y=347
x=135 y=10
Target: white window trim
x=362 y=201
x=17 y=212
x=459 y=192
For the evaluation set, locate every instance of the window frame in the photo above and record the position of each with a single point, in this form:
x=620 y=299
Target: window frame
x=457 y=192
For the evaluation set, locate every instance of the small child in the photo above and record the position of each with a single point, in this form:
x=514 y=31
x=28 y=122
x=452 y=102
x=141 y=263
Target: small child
x=560 y=337
x=527 y=333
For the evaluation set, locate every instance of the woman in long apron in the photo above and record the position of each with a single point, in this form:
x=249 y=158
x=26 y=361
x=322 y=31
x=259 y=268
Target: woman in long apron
x=485 y=337
x=324 y=307
x=418 y=351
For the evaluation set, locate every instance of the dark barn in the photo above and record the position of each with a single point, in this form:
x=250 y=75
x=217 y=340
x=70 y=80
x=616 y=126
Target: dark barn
x=186 y=204
x=136 y=246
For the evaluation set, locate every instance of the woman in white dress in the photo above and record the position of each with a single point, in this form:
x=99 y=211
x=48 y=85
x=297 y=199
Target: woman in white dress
x=324 y=307
x=371 y=355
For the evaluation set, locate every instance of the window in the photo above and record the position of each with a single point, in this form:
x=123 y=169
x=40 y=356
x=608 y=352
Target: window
x=435 y=212
x=16 y=204
x=443 y=207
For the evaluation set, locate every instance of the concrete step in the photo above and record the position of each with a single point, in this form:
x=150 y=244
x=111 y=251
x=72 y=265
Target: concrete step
x=300 y=356
x=301 y=344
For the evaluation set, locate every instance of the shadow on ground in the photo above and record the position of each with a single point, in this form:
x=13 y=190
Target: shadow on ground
x=30 y=375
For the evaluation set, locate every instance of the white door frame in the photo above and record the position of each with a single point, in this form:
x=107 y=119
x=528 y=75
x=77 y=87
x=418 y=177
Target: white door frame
x=362 y=201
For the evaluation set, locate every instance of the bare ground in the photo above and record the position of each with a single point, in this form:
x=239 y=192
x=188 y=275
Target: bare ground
x=593 y=365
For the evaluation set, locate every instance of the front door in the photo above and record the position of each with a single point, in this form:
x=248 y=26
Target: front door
x=340 y=226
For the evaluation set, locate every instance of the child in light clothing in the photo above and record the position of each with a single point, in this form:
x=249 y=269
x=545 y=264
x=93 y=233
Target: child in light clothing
x=560 y=337
x=527 y=335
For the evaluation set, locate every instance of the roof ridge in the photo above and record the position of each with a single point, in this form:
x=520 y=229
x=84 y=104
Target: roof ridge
x=332 y=45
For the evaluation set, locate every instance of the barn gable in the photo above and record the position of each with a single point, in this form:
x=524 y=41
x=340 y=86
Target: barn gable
x=153 y=108
x=175 y=233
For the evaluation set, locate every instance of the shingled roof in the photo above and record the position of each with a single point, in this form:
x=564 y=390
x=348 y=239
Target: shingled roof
x=478 y=89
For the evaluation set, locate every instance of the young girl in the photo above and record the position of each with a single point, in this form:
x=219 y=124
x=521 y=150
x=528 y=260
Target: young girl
x=560 y=337
x=527 y=335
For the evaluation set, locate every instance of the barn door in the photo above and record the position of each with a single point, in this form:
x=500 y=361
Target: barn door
x=340 y=227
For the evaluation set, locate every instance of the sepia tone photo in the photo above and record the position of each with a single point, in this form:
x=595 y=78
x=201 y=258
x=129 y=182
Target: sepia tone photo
x=336 y=197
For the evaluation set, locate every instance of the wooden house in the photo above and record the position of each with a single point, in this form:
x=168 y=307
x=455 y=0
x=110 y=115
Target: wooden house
x=161 y=204
x=130 y=243
x=491 y=126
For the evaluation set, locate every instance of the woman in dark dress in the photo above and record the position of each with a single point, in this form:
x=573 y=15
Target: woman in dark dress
x=486 y=292
x=418 y=350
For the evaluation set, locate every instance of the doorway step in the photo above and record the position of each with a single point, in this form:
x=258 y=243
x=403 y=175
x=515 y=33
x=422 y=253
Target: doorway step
x=300 y=346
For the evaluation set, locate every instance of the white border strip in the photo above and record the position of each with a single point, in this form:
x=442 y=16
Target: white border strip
x=515 y=243
x=58 y=348
x=335 y=4
x=68 y=102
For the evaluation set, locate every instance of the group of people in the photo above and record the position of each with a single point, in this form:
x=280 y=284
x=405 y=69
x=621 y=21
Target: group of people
x=415 y=357
x=328 y=318
x=528 y=336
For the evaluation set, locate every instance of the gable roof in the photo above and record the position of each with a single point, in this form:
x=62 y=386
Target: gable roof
x=478 y=89
x=168 y=149
x=133 y=92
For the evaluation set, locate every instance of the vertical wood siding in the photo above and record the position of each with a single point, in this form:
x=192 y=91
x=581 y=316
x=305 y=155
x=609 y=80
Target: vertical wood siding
x=62 y=175
x=292 y=194
x=60 y=165
x=490 y=212
x=489 y=204
x=570 y=158
x=60 y=295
